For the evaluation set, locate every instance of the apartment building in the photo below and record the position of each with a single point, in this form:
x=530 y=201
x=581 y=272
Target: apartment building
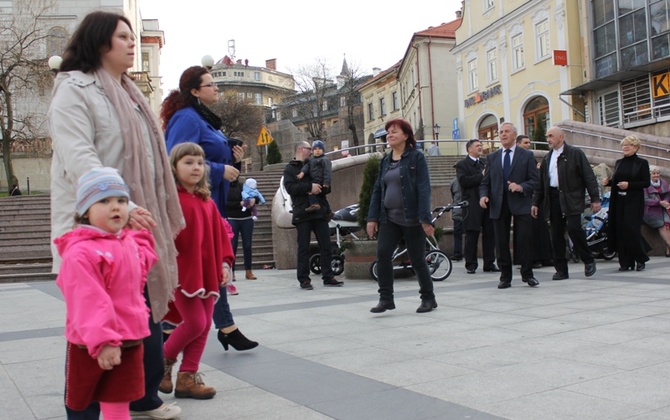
x=513 y=60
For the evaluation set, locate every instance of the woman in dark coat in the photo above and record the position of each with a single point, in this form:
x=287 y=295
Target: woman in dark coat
x=630 y=178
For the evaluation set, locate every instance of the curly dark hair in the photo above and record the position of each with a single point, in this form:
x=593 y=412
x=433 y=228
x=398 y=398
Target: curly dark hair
x=406 y=128
x=90 y=40
x=180 y=98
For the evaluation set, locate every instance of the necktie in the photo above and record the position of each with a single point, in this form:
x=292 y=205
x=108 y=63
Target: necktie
x=507 y=164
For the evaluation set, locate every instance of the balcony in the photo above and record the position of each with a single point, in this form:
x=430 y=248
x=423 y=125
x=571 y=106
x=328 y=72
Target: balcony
x=143 y=81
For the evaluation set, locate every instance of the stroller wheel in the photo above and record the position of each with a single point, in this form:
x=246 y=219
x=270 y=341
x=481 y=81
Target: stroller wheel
x=606 y=254
x=337 y=264
x=315 y=263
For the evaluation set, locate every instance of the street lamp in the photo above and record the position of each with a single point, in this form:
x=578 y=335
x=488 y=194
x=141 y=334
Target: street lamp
x=436 y=131
x=54 y=63
x=207 y=62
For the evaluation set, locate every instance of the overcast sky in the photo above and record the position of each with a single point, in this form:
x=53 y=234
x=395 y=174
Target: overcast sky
x=295 y=32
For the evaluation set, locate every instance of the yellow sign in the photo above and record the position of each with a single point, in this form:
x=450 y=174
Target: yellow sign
x=660 y=85
x=264 y=138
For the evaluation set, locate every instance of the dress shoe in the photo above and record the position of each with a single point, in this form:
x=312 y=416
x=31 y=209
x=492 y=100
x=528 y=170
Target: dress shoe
x=427 y=305
x=249 y=275
x=590 y=269
x=625 y=268
x=471 y=271
x=457 y=258
x=560 y=276
x=492 y=269
x=333 y=282
x=532 y=281
x=537 y=264
x=504 y=284
x=383 y=306
x=307 y=285
x=640 y=266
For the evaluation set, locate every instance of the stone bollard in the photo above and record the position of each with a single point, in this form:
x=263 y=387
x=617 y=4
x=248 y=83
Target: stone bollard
x=358 y=258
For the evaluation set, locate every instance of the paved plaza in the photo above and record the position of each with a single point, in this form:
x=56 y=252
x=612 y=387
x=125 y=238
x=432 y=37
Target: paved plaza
x=572 y=349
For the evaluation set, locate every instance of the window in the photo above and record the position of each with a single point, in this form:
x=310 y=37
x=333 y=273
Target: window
x=270 y=101
x=294 y=112
x=491 y=65
x=145 y=62
x=259 y=99
x=488 y=4
x=636 y=99
x=517 y=52
x=238 y=73
x=472 y=75
x=536 y=120
x=257 y=76
x=608 y=109
x=371 y=112
x=343 y=101
x=240 y=96
x=543 y=44
x=324 y=105
x=394 y=99
x=56 y=41
x=382 y=107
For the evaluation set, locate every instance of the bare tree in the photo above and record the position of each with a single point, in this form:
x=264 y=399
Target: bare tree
x=313 y=83
x=23 y=73
x=352 y=78
x=241 y=117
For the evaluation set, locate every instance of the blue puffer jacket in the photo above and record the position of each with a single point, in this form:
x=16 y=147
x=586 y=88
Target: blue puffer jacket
x=415 y=182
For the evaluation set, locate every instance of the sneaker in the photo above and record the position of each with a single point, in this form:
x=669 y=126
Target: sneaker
x=307 y=285
x=244 y=208
x=333 y=282
x=165 y=411
x=232 y=290
x=314 y=207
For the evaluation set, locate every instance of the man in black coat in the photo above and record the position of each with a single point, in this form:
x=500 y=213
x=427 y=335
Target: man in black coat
x=565 y=173
x=470 y=173
x=306 y=223
x=507 y=190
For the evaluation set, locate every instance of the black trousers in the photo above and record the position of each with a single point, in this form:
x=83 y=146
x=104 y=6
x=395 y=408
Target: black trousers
x=488 y=246
x=559 y=223
x=523 y=224
x=322 y=233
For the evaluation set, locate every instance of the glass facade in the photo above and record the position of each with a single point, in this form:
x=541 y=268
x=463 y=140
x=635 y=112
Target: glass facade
x=629 y=33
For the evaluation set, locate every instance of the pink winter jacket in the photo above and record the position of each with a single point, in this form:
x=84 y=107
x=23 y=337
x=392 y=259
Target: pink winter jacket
x=102 y=278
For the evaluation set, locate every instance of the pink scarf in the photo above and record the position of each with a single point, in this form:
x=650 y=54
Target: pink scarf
x=155 y=191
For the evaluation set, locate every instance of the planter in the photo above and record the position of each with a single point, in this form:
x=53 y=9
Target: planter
x=358 y=258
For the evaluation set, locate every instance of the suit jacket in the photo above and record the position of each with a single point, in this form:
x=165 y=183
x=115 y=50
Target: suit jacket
x=470 y=176
x=523 y=172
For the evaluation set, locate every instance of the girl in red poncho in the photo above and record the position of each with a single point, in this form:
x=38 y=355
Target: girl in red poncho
x=204 y=261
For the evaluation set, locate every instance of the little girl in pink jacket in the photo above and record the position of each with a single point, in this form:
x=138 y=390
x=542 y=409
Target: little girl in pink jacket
x=102 y=277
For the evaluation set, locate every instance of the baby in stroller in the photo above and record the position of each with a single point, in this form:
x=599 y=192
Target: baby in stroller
x=597 y=228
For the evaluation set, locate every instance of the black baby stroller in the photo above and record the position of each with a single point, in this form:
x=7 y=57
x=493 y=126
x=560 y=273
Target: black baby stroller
x=596 y=233
x=343 y=223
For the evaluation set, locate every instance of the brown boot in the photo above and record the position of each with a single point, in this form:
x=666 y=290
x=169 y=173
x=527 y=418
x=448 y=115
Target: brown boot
x=250 y=275
x=190 y=385
x=166 y=383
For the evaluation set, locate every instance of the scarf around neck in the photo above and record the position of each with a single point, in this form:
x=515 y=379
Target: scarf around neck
x=206 y=113
x=156 y=191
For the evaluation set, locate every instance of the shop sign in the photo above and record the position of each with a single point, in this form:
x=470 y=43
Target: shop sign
x=482 y=96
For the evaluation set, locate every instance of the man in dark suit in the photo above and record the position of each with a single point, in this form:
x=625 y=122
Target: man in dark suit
x=507 y=190
x=470 y=173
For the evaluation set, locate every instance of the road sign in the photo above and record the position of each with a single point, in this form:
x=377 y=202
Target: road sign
x=264 y=138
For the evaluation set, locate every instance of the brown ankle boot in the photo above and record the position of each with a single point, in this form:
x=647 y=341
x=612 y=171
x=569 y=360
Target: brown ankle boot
x=190 y=385
x=166 y=383
x=250 y=275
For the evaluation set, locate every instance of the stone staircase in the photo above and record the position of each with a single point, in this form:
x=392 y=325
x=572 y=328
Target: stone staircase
x=25 y=224
x=25 y=227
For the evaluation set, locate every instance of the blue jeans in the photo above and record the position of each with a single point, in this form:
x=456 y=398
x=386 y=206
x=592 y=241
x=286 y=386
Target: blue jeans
x=222 y=316
x=415 y=239
x=246 y=228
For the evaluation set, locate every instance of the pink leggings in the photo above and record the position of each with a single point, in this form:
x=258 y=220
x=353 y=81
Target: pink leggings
x=190 y=336
x=115 y=410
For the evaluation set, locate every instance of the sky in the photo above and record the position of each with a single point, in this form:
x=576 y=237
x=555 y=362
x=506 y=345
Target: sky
x=295 y=32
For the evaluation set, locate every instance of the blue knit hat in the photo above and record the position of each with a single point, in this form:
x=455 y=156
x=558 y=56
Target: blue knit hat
x=97 y=184
x=319 y=144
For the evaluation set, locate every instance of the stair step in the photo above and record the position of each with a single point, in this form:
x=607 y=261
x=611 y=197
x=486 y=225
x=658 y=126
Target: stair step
x=26 y=277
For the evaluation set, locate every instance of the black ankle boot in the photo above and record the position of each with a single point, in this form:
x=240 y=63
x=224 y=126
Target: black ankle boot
x=237 y=340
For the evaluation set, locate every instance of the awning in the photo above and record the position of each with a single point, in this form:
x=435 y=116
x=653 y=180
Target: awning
x=380 y=133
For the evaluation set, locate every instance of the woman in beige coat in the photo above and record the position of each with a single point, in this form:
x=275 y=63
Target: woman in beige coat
x=98 y=117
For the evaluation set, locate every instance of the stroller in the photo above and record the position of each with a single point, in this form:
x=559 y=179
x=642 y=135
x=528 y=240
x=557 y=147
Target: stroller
x=343 y=223
x=596 y=229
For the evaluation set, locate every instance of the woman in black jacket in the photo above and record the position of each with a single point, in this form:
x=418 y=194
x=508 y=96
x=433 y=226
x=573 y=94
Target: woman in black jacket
x=630 y=178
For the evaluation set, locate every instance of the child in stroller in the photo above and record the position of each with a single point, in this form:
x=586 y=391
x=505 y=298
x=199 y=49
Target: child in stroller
x=596 y=232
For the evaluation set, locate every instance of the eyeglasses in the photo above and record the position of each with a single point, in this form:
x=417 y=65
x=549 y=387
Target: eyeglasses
x=208 y=85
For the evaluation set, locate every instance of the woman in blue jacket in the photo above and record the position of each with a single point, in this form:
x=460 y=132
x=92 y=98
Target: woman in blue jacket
x=400 y=208
x=187 y=118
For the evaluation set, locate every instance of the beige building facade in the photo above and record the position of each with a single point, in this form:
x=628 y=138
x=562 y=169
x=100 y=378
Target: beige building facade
x=380 y=97
x=513 y=60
